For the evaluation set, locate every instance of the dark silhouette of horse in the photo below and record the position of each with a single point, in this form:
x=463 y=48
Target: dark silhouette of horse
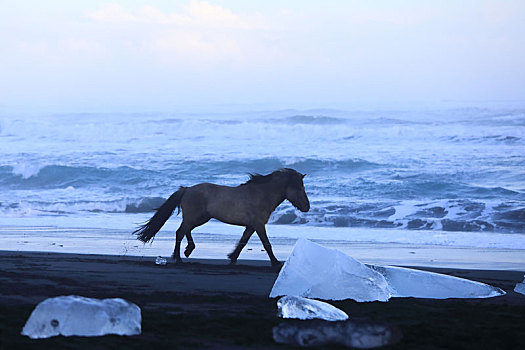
x=249 y=204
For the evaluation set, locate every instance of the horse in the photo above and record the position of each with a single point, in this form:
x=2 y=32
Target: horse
x=249 y=204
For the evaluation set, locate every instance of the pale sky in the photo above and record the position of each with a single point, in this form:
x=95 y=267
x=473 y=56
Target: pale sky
x=162 y=55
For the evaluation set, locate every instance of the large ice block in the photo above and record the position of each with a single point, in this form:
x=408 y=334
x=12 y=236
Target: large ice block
x=404 y=282
x=314 y=271
x=307 y=309
x=317 y=272
x=76 y=315
x=520 y=287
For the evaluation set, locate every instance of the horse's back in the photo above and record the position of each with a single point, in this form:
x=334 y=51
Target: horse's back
x=208 y=190
x=225 y=203
x=218 y=193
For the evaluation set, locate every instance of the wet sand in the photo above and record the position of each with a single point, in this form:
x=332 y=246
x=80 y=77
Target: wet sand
x=209 y=304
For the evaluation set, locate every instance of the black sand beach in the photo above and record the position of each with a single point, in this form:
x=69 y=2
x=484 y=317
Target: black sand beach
x=208 y=304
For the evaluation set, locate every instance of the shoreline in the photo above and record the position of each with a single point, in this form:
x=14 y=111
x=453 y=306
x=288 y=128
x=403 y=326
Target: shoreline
x=218 y=244
x=207 y=303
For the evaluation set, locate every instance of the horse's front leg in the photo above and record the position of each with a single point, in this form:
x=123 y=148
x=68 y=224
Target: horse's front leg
x=261 y=232
x=248 y=232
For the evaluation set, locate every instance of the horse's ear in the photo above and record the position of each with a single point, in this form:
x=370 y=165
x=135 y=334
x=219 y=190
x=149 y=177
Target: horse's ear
x=303 y=175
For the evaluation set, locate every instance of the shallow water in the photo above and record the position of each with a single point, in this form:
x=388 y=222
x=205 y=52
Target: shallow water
x=215 y=241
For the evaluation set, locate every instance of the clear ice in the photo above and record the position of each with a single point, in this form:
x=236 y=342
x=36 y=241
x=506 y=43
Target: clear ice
x=313 y=271
x=160 y=260
x=520 y=287
x=306 y=309
x=403 y=282
x=76 y=315
x=317 y=272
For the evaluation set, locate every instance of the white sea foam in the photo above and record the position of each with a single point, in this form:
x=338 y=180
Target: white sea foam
x=406 y=208
x=26 y=169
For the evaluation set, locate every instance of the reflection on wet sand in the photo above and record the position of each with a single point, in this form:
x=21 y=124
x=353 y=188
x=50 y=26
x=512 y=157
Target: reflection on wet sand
x=363 y=335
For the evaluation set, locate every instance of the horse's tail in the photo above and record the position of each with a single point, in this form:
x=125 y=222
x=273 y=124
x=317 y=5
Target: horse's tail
x=147 y=231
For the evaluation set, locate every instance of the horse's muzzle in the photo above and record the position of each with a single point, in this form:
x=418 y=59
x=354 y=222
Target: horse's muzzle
x=305 y=208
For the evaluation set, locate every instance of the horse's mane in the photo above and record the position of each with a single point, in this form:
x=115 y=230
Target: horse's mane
x=256 y=178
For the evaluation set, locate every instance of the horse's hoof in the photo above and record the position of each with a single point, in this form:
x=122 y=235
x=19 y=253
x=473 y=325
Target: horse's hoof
x=277 y=263
x=178 y=260
x=233 y=259
x=188 y=250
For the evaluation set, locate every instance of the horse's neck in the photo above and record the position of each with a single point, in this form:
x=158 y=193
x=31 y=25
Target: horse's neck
x=275 y=193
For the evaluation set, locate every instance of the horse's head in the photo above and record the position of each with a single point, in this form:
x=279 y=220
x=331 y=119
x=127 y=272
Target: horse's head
x=295 y=191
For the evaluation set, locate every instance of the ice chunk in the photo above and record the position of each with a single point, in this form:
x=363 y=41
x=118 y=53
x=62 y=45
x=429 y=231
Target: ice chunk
x=76 y=315
x=314 y=271
x=404 y=282
x=315 y=333
x=305 y=309
x=160 y=260
x=317 y=272
x=520 y=287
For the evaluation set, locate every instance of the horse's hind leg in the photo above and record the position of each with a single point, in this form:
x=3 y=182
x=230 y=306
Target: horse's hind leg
x=190 y=246
x=248 y=232
x=185 y=230
x=182 y=231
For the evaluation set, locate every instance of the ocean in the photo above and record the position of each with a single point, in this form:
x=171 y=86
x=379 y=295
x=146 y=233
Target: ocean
x=414 y=174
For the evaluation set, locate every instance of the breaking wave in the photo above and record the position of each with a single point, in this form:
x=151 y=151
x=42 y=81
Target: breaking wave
x=27 y=176
x=447 y=215
x=444 y=215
